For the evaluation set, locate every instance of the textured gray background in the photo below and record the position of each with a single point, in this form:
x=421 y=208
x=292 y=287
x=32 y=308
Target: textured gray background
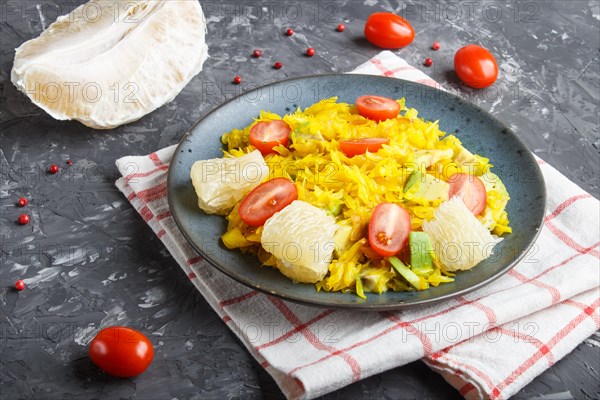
x=90 y=261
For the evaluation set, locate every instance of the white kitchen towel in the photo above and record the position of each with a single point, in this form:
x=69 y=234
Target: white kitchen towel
x=487 y=344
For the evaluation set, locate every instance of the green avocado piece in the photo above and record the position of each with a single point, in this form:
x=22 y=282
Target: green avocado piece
x=341 y=239
x=421 y=253
x=335 y=209
x=421 y=187
x=492 y=182
x=429 y=157
x=405 y=272
x=412 y=180
x=465 y=157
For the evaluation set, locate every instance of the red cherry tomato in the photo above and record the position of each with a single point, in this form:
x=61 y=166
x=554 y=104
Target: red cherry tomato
x=377 y=108
x=121 y=351
x=266 y=199
x=470 y=189
x=475 y=66
x=388 y=229
x=353 y=147
x=268 y=134
x=388 y=31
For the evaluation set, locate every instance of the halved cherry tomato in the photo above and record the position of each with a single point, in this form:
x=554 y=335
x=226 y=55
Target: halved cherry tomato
x=121 y=351
x=377 y=108
x=475 y=66
x=388 y=229
x=267 y=134
x=388 y=31
x=470 y=189
x=353 y=147
x=266 y=199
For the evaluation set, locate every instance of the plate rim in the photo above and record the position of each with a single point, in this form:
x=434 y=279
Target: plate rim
x=364 y=306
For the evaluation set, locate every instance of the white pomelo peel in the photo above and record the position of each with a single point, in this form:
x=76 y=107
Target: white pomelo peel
x=110 y=62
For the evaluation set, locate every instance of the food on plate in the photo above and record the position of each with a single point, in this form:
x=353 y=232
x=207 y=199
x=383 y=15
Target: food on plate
x=120 y=351
x=268 y=134
x=220 y=183
x=377 y=108
x=301 y=238
x=475 y=66
x=266 y=199
x=388 y=229
x=454 y=224
x=357 y=203
x=422 y=188
x=108 y=63
x=470 y=189
x=494 y=216
x=388 y=31
x=354 y=147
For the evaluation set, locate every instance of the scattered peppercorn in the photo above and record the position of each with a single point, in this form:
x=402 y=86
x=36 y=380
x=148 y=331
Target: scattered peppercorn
x=20 y=285
x=23 y=219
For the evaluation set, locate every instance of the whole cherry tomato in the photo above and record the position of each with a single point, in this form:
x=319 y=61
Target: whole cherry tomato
x=388 y=31
x=475 y=66
x=121 y=351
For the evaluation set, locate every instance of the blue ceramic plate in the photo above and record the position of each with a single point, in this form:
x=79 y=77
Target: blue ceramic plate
x=479 y=131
